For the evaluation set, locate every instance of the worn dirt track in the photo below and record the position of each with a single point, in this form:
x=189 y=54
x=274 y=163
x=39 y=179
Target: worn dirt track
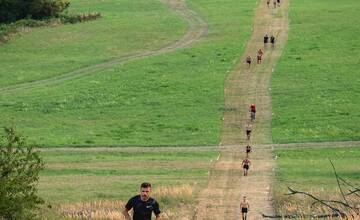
x=244 y=85
x=197 y=28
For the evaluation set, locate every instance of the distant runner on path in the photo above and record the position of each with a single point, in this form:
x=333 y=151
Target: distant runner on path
x=143 y=205
x=268 y=3
x=246 y=166
x=259 y=56
x=266 y=39
x=274 y=3
x=248 y=60
x=248 y=130
x=248 y=150
x=252 y=110
x=244 y=206
x=278 y=3
x=272 y=40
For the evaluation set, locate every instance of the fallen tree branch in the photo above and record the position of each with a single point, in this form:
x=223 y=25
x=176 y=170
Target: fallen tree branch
x=293 y=192
x=354 y=192
x=301 y=216
x=334 y=201
x=338 y=182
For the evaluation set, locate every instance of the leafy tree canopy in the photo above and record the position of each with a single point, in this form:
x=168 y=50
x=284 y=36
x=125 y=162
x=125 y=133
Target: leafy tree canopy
x=13 y=10
x=19 y=174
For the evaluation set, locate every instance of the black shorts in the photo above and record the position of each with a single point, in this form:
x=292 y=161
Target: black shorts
x=248 y=150
x=249 y=62
x=244 y=210
x=246 y=166
x=248 y=132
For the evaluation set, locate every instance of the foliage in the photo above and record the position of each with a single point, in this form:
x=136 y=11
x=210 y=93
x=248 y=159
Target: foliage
x=315 y=86
x=19 y=174
x=8 y=30
x=13 y=10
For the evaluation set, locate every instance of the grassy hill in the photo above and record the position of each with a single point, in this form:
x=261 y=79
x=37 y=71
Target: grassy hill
x=169 y=99
x=126 y=27
x=315 y=87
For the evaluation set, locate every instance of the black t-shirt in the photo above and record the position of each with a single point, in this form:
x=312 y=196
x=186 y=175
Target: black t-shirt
x=143 y=210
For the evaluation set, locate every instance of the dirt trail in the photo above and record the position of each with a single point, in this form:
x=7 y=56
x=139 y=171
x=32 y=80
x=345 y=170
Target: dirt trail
x=221 y=198
x=197 y=28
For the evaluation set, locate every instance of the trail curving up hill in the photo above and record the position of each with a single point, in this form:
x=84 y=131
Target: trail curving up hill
x=197 y=28
x=226 y=187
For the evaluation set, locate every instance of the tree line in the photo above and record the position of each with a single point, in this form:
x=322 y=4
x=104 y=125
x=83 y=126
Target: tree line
x=13 y=10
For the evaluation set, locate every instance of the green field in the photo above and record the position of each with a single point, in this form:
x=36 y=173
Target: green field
x=170 y=99
x=126 y=27
x=310 y=170
x=315 y=86
x=87 y=175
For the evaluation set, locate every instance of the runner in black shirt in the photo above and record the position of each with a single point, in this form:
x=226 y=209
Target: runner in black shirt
x=143 y=205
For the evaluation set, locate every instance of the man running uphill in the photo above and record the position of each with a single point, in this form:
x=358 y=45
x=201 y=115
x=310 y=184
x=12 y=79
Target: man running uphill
x=246 y=166
x=244 y=206
x=143 y=205
x=252 y=110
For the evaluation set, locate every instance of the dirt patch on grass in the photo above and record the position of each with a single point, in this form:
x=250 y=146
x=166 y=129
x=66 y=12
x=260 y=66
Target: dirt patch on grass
x=244 y=85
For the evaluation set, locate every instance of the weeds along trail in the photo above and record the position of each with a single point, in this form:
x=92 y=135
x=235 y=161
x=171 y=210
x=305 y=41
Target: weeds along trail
x=197 y=28
x=243 y=86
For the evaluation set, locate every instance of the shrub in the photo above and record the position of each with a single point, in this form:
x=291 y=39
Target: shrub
x=13 y=10
x=19 y=173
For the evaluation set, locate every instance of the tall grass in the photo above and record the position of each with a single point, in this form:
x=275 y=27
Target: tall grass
x=170 y=199
x=309 y=170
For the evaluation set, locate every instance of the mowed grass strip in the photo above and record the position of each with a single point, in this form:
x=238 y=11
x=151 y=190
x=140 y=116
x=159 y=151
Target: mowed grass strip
x=82 y=176
x=310 y=170
x=126 y=27
x=315 y=87
x=170 y=99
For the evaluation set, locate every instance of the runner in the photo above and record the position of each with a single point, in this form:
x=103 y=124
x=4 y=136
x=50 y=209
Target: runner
x=248 y=150
x=268 y=3
x=272 y=40
x=143 y=205
x=248 y=60
x=278 y=3
x=248 y=129
x=266 y=39
x=252 y=110
x=244 y=206
x=274 y=2
x=259 y=55
x=246 y=166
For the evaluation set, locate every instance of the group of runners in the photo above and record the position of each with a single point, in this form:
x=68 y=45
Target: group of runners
x=276 y=3
x=143 y=205
x=260 y=52
x=244 y=205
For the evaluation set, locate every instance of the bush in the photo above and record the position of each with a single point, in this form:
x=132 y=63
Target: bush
x=19 y=173
x=13 y=10
x=79 y=18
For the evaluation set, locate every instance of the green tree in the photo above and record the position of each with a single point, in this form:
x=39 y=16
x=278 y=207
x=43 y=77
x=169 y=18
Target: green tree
x=19 y=174
x=13 y=10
